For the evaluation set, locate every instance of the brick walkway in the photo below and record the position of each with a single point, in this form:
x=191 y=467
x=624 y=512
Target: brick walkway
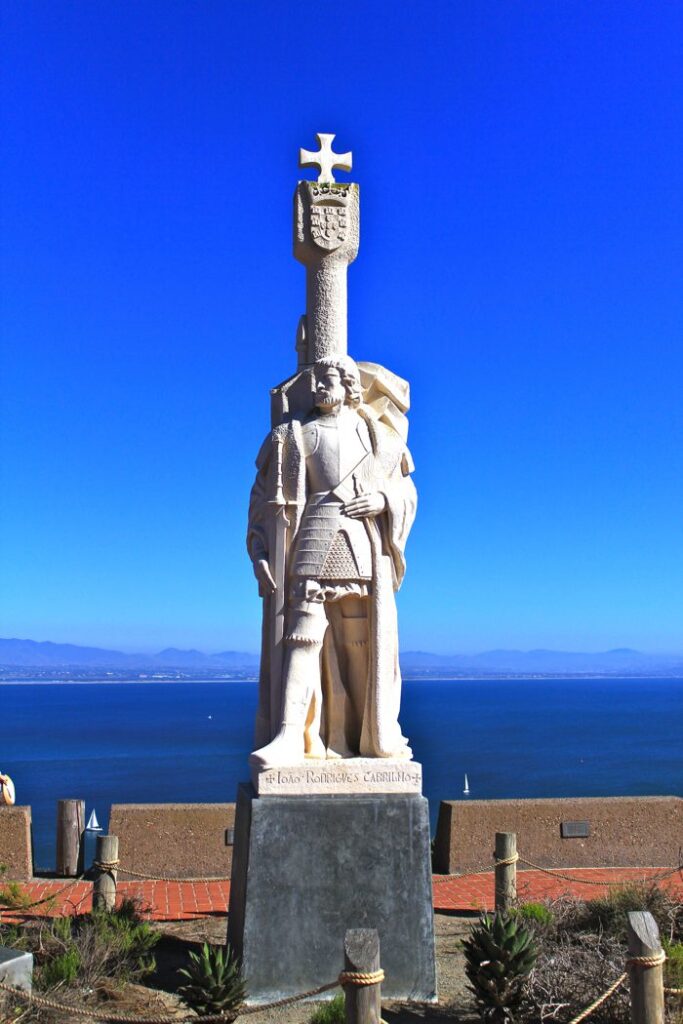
x=476 y=892
x=182 y=901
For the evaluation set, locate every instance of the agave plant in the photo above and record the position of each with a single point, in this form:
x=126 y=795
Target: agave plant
x=215 y=982
x=499 y=955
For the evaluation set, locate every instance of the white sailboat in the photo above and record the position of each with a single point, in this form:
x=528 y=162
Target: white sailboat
x=93 y=824
x=466 y=790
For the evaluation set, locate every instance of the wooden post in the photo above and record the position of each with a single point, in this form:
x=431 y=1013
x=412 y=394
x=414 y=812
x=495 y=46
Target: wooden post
x=361 y=955
x=70 y=831
x=647 y=982
x=104 y=888
x=506 y=874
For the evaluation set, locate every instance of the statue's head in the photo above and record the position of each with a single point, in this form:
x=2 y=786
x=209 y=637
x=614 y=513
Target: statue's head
x=337 y=382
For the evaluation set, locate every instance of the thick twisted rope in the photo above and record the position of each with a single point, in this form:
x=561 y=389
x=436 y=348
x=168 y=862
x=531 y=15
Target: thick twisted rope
x=599 y=1001
x=361 y=978
x=553 y=872
x=4 y=905
x=168 y=878
x=591 y=881
x=656 y=960
x=506 y=860
x=214 y=1018
x=106 y=865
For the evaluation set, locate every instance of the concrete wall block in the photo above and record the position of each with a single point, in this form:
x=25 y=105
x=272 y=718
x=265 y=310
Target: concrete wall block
x=623 y=832
x=175 y=840
x=16 y=848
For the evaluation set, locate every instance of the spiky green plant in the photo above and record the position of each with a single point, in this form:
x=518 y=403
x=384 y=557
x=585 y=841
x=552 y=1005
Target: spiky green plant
x=215 y=982
x=499 y=955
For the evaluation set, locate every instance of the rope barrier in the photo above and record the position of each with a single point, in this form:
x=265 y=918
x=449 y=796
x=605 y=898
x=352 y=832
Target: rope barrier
x=355 y=978
x=656 y=960
x=361 y=978
x=506 y=860
x=215 y=1018
x=599 y=1001
x=660 y=876
x=591 y=881
x=44 y=899
x=167 y=878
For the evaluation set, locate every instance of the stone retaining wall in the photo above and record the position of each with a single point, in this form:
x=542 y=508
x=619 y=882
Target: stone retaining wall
x=177 y=840
x=623 y=832
x=16 y=849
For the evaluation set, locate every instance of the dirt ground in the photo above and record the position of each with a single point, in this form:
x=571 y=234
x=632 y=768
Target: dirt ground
x=455 y=1002
x=157 y=997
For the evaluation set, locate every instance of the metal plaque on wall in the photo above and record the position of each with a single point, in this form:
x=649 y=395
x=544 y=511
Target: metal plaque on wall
x=574 y=829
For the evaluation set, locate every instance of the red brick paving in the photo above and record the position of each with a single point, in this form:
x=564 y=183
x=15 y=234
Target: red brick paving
x=178 y=901
x=476 y=892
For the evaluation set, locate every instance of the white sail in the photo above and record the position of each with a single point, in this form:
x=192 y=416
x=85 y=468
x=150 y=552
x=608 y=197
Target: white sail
x=93 y=824
x=466 y=790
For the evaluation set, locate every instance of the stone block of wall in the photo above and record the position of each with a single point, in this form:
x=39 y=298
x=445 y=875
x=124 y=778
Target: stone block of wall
x=624 y=832
x=16 y=850
x=177 y=840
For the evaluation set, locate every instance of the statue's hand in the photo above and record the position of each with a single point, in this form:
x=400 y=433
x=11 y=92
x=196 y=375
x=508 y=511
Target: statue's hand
x=266 y=583
x=365 y=505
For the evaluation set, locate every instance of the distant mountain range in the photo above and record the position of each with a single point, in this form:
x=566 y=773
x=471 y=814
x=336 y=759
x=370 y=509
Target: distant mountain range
x=620 y=661
x=25 y=655
x=32 y=654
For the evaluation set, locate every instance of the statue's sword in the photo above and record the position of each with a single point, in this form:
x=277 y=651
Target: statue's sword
x=277 y=618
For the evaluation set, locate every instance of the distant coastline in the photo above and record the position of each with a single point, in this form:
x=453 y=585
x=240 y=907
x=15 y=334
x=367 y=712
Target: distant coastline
x=45 y=661
x=99 y=680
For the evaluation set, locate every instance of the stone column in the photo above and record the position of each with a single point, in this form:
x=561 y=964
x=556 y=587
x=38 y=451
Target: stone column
x=326 y=237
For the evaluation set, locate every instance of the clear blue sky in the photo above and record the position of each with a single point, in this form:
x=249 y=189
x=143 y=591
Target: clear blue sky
x=521 y=171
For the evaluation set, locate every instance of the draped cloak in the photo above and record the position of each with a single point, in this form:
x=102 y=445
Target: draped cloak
x=280 y=491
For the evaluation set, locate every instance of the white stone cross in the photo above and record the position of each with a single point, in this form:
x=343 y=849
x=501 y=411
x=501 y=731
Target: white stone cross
x=325 y=159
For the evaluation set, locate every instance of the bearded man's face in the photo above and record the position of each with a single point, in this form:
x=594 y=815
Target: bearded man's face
x=329 y=390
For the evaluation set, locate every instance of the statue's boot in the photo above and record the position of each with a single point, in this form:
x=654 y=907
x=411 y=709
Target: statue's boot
x=289 y=745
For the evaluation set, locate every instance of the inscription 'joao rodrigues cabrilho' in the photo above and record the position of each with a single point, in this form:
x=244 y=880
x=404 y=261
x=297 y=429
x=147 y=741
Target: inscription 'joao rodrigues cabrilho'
x=340 y=777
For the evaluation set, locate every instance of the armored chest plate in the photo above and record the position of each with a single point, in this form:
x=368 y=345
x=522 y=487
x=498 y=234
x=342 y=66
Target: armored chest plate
x=330 y=545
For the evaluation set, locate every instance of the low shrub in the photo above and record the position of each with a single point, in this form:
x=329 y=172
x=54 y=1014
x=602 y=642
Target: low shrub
x=333 y=1012
x=60 y=970
x=673 y=968
x=13 y=897
x=609 y=913
x=571 y=972
x=84 y=951
x=535 y=913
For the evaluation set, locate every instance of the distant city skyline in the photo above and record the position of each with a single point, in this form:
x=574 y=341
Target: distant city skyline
x=521 y=173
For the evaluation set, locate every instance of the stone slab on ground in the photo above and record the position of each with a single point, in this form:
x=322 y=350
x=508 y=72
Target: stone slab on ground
x=16 y=848
x=624 y=831
x=308 y=868
x=347 y=775
x=174 y=840
x=16 y=968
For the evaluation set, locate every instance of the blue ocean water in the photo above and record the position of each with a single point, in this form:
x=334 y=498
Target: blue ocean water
x=162 y=742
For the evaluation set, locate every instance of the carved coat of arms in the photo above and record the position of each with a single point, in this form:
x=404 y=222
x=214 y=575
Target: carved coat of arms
x=328 y=225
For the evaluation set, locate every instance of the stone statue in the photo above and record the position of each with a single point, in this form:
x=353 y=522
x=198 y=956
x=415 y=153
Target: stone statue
x=330 y=512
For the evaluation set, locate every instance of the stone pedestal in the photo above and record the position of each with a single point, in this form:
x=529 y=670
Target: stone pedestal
x=308 y=867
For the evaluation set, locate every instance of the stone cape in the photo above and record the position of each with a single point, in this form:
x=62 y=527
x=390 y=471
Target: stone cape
x=347 y=776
